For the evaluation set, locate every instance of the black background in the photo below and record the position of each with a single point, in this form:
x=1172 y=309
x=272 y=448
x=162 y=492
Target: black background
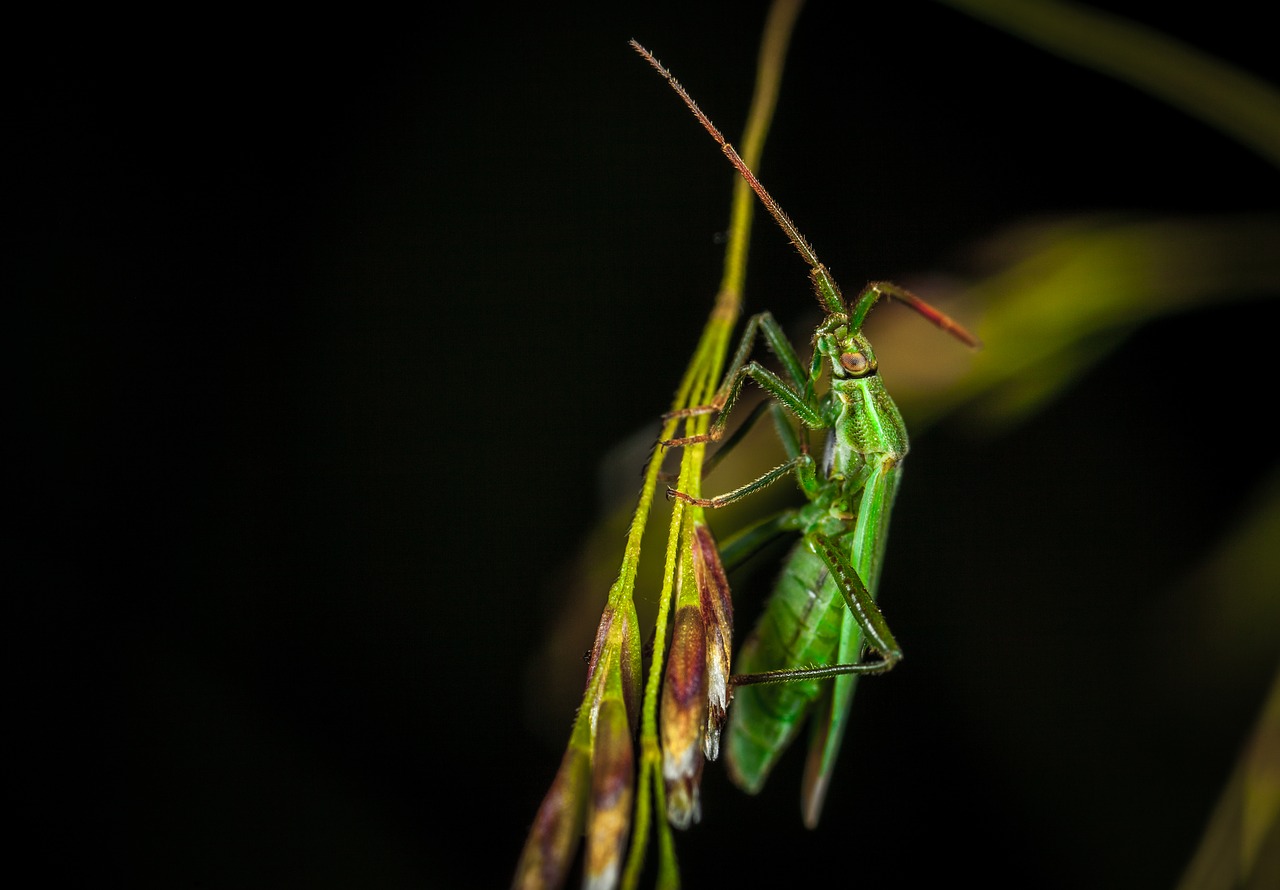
x=325 y=325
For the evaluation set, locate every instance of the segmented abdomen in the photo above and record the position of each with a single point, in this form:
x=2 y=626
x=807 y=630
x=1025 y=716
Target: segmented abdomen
x=800 y=628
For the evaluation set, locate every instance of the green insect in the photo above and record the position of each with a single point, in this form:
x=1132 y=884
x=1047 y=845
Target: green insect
x=806 y=654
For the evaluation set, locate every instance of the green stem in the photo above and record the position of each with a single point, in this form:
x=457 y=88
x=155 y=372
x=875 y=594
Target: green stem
x=697 y=387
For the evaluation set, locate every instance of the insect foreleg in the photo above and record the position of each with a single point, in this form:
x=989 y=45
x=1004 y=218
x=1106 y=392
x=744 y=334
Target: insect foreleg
x=732 y=440
x=808 y=413
x=796 y=392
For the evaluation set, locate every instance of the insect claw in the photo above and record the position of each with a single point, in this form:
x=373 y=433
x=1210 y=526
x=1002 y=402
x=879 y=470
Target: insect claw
x=676 y=494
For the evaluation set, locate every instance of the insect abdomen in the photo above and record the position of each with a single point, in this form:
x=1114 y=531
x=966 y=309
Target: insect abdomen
x=800 y=627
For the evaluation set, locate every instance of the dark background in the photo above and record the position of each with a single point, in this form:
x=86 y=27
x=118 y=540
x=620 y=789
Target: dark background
x=325 y=326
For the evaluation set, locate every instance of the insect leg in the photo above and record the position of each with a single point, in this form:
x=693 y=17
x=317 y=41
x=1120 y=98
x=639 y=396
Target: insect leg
x=866 y=615
x=796 y=393
x=852 y=560
x=801 y=465
x=875 y=630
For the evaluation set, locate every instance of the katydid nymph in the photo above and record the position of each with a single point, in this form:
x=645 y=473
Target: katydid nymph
x=804 y=657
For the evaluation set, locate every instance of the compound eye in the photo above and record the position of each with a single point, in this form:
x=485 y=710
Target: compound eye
x=855 y=363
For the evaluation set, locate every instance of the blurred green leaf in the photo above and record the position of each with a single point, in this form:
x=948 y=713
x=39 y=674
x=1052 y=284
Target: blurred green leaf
x=1243 y=107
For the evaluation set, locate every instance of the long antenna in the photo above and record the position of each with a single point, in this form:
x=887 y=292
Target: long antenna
x=827 y=290
x=732 y=154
